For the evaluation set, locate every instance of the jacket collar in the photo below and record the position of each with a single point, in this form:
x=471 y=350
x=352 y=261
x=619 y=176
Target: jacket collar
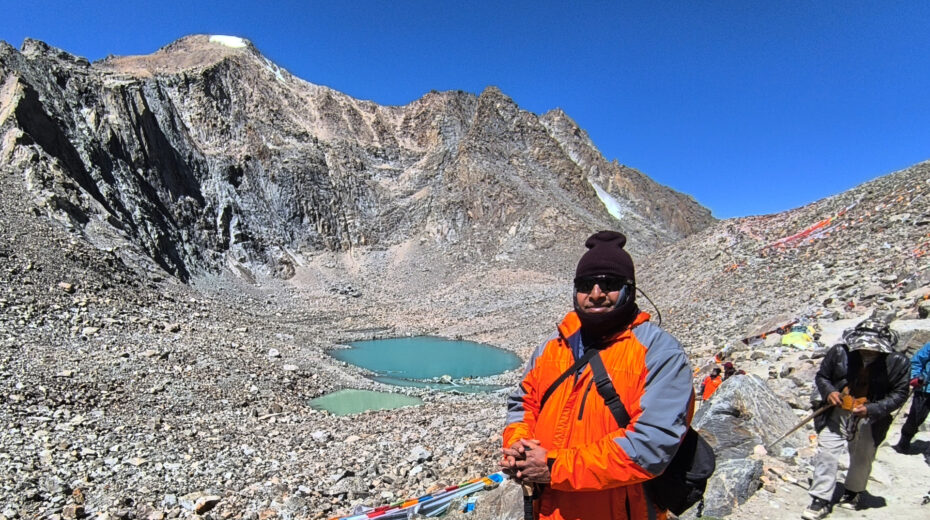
x=570 y=328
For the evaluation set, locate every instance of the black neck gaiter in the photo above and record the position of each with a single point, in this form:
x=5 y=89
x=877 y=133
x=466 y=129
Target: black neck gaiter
x=596 y=329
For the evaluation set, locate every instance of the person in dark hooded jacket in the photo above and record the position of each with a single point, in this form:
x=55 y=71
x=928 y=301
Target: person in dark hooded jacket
x=865 y=380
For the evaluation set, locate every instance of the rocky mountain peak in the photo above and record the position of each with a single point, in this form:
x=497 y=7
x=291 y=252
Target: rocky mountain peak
x=206 y=154
x=37 y=49
x=192 y=52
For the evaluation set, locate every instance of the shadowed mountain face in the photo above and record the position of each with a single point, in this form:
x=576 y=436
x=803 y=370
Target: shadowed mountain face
x=204 y=155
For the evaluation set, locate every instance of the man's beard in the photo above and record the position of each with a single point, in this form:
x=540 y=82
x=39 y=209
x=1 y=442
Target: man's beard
x=597 y=327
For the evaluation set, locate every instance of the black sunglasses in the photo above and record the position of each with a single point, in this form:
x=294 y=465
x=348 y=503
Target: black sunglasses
x=607 y=283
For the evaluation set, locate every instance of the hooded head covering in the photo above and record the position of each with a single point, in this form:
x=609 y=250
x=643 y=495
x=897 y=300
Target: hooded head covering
x=871 y=335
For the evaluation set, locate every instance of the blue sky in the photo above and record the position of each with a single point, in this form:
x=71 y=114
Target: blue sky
x=751 y=107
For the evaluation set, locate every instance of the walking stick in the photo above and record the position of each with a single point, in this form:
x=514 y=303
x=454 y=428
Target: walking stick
x=528 y=491
x=804 y=421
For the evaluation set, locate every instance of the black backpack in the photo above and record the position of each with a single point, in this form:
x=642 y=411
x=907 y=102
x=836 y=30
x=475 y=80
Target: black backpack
x=684 y=480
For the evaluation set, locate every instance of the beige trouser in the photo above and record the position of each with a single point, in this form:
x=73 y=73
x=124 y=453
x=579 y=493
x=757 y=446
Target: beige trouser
x=831 y=441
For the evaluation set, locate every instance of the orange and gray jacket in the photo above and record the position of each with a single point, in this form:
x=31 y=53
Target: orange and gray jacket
x=597 y=467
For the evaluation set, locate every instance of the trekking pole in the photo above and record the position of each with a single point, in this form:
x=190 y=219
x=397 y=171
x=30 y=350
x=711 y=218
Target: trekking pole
x=804 y=421
x=528 y=491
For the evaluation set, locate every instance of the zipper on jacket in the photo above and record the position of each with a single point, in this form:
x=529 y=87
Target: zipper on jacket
x=584 y=399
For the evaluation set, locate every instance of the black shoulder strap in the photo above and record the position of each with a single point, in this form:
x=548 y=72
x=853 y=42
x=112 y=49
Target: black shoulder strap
x=580 y=362
x=605 y=387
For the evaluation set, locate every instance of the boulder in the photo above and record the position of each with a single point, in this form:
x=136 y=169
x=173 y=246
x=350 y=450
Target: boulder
x=831 y=332
x=733 y=483
x=912 y=335
x=923 y=309
x=419 y=454
x=353 y=487
x=804 y=373
x=787 y=390
x=743 y=413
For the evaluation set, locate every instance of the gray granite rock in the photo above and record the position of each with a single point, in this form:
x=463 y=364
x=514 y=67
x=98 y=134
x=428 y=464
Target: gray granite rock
x=742 y=414
x=734 y=481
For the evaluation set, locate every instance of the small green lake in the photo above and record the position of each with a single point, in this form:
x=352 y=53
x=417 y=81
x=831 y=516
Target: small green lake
x=424 y=358
x=348 y=402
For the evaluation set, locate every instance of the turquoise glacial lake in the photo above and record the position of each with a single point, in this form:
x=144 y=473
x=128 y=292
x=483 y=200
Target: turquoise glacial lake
x=415 y=362
x=424 y=358
x=349 y=402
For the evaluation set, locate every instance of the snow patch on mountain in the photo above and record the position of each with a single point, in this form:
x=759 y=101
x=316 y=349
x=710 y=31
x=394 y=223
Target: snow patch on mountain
x=614 y=206
x=230 y=41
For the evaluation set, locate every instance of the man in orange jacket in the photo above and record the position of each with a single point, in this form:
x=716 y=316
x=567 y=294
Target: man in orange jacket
x=583 y=465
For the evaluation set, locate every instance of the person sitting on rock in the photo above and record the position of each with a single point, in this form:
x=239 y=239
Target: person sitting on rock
x=729 y=371
x=920 y=405
x=865 y=380
x=710 y=384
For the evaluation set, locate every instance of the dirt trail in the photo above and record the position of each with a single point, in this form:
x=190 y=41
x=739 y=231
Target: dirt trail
x=896 y=487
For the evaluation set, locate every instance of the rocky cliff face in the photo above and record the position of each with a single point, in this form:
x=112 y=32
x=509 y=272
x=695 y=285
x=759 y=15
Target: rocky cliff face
x=206 y=154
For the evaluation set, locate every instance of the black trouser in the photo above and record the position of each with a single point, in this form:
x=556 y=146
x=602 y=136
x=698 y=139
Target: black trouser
x=920 y=407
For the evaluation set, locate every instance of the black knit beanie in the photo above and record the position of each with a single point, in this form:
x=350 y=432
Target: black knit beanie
x=606 y=256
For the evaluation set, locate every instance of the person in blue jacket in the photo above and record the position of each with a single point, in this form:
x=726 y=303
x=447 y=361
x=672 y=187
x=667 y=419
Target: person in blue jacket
x=920 y=406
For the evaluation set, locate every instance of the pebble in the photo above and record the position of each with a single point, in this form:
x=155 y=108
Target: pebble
x=419 y=454
x=72 y=512
x=206 y=503
x=189 y=500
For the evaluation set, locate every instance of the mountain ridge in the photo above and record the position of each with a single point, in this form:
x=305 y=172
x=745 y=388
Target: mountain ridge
x=222 y=135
